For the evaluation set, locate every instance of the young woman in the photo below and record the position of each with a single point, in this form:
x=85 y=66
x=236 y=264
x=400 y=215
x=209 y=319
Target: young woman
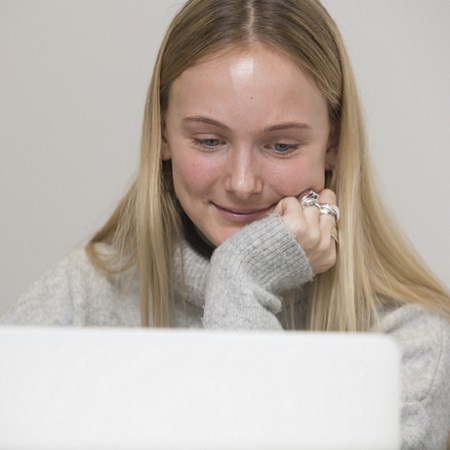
x=252 y=134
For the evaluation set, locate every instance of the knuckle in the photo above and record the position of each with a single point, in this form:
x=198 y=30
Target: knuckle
x=323 y=247
x=314 y=237
x=327 y=196
x=323 y=261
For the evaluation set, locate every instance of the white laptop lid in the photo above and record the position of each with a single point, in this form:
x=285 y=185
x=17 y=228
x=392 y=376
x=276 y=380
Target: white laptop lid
x=184 y=389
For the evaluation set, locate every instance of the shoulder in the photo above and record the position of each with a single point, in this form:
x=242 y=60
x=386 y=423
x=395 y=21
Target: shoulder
x=73 y=273
x=424 y=339
x=423 y=335
x=73 y=292
x=48 y=301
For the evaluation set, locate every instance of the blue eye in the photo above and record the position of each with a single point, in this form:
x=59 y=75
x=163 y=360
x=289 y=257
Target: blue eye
x=284 y=148
x=208 y=143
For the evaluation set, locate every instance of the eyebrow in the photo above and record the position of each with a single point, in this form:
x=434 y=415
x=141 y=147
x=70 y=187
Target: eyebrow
x=287 y=126
x=278 y=127
x=206 y=120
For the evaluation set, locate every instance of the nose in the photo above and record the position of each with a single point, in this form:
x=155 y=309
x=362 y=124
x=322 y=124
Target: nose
x=243 y=177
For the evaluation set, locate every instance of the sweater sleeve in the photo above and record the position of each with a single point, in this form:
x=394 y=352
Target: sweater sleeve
x=249 y=271
x=424 y=339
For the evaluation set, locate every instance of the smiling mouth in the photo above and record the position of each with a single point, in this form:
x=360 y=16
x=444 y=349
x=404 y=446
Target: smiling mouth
x=243 y=215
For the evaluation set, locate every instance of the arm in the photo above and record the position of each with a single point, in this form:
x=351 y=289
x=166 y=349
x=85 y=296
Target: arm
x=267 y=257
x=247 y=274
x=424 y=338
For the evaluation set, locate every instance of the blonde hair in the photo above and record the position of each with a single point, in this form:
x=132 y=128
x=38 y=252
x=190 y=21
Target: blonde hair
x=374 y=266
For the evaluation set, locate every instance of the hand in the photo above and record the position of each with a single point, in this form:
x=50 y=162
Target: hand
x=311 y=229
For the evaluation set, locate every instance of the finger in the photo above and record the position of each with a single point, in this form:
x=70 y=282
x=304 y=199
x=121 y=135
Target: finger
x=328 y=228
x=327 y=221
x=312 y=218
x=292 y=215
x=284 y=206
x=310 y=210
x=327 y=196
x=325 y=261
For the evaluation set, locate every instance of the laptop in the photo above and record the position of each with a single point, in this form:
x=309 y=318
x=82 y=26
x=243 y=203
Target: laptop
x=103 y=388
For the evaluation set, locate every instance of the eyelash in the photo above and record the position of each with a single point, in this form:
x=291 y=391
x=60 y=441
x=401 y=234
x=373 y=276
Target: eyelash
x=289 y=147
x=202 y=143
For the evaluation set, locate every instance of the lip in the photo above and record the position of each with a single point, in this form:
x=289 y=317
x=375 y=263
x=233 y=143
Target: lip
x=242 y=215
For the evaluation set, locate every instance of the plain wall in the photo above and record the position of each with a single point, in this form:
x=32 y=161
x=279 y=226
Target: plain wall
x=73 y=79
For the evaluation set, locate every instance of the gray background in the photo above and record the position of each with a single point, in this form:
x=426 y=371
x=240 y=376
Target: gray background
x=73 y=79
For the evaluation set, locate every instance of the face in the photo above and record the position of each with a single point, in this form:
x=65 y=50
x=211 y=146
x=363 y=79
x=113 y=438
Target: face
x=243 y=130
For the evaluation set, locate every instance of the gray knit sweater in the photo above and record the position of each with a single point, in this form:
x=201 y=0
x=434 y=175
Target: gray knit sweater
x=242 y=287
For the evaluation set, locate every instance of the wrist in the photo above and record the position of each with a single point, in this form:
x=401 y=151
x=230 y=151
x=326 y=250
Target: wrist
x=268 y=253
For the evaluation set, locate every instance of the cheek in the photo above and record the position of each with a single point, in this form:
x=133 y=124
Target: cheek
x=191 y=176
x=296 y=177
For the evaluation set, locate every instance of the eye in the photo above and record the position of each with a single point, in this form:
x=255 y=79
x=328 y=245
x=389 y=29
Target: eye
x=208 y=143
x=283 y=148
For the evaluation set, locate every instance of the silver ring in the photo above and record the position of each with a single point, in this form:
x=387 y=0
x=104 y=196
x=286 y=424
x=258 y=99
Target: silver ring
x=310 y=200
x=326 y=208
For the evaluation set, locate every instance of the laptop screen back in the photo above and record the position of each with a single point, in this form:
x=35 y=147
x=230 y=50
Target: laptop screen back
x=184 y=389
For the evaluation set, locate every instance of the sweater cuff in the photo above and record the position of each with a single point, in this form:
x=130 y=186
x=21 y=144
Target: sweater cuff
x=268 y=253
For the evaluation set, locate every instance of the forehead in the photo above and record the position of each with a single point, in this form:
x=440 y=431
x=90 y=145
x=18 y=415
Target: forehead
x=259 y=81
x=246 y=60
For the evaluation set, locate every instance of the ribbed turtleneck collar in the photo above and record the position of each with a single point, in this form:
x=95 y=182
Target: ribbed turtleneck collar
x=193 y=238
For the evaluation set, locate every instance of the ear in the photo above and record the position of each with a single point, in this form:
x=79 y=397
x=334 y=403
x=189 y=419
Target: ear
x=165 y=147
x=332 y=150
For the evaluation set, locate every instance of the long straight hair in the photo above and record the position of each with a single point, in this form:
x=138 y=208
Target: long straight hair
x=374 y=264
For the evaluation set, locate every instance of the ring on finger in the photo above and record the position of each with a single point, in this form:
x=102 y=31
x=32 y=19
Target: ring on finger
x=310 y=199
x=326 y=208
